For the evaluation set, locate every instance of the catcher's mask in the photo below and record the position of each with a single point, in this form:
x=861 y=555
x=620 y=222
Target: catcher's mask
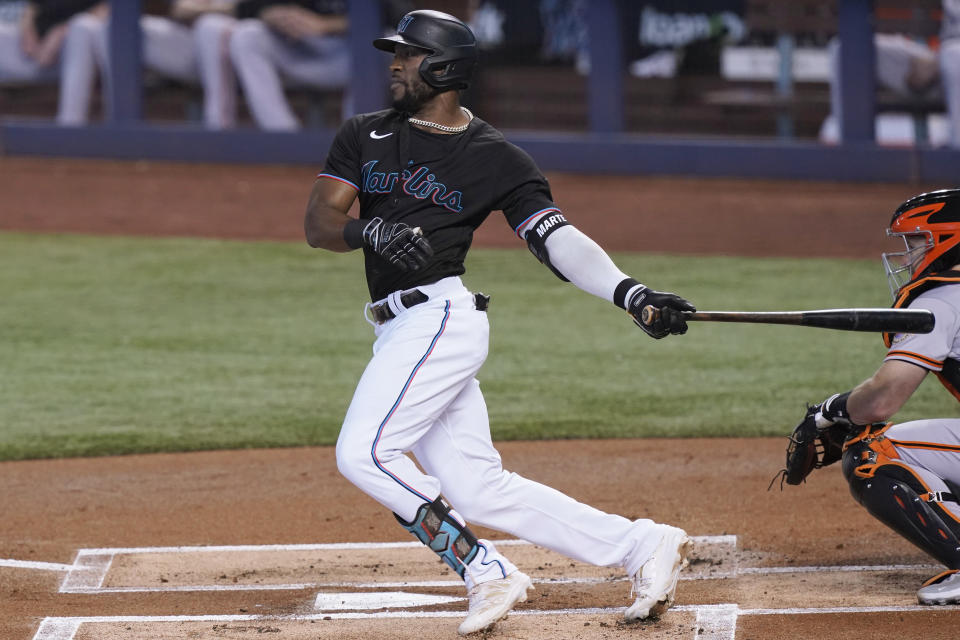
x=929 y=225
x=450 y=44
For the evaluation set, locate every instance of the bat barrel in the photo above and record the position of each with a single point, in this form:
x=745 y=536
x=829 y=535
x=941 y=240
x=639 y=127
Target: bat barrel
x=876 y=320
x=882 y=320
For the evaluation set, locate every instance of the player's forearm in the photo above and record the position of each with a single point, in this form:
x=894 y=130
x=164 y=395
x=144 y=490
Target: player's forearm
x=881 y=396
x=29 y=40
x=866 y=406
x=326 y=218
x=50 y=45
x=584 y=263
x=576 y=258
x=324 y=228
x=325 y=236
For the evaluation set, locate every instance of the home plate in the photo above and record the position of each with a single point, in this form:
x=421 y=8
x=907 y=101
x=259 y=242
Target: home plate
x=378 y=600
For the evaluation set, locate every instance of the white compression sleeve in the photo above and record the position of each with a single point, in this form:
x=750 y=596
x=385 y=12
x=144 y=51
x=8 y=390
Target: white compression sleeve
x=584 y=263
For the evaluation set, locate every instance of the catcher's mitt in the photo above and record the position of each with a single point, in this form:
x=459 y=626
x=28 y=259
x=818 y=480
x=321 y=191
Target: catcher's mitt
x=811 y=447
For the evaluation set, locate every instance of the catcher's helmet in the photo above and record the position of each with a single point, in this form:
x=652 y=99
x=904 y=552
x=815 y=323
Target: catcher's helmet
x=451 y=45
x=930 y=227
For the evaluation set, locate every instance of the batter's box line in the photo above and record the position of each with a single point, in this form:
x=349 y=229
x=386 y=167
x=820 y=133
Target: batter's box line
x=714 y=622
x=90 y=567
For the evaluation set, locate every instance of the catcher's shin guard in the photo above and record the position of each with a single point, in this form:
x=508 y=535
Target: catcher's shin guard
x=440 y=530
x=897 y=497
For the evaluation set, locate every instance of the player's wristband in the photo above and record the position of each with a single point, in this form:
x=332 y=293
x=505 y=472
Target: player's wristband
x=620 y=294
x=834 y=408
x=353 y=233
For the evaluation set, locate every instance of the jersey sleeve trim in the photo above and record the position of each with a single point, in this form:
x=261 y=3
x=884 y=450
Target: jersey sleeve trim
x=338 y=179
x=915 y=358
x=531 y=218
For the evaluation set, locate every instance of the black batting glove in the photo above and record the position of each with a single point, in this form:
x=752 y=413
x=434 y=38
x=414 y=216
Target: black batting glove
x=659 y=313
x=398 y=244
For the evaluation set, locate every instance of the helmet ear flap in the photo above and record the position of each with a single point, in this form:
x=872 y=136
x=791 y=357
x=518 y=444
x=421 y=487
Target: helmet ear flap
x=441 y=74
x=949 y=257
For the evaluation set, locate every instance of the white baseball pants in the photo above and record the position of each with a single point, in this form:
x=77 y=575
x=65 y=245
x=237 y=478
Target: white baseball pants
x=920 y=451
x=419 y=394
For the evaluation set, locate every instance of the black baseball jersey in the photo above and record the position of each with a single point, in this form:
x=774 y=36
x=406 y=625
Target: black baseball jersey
x=448 y=186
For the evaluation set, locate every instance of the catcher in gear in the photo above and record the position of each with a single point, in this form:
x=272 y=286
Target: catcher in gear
x=906 y=475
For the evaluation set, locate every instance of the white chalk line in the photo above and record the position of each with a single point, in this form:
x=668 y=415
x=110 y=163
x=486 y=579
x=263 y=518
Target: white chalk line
x=829 y=568
x=421 y=584
x=57 y=629
x=39 y=566
x=296 y=586
x=332 y=546
x=716 y=622
x=100 y=559
x=96 y=564
x=301 y=617
x=95 y=568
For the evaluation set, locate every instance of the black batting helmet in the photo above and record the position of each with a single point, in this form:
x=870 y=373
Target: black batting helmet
x=451 y=45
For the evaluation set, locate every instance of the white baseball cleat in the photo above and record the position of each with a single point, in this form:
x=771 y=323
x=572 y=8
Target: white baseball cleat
x=655 y=584
x=943 y=588
x=492 y=600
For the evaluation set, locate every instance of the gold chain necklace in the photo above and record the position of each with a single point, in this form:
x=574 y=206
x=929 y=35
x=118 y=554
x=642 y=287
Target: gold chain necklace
x=443 y=127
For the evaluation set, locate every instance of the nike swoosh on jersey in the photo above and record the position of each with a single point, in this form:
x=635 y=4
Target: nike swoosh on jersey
x=375 y=136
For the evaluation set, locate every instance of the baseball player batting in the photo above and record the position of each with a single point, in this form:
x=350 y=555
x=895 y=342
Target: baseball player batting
x=906 y=475
x=427 y=173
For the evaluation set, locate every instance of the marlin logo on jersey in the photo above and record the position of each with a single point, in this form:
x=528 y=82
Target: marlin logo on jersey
x=420 y=184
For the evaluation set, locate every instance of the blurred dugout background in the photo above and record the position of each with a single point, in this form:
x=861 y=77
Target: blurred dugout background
x=748 y=71
x=699 y=67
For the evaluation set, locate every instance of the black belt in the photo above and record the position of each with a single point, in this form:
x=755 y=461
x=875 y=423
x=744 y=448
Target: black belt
x=382 y=312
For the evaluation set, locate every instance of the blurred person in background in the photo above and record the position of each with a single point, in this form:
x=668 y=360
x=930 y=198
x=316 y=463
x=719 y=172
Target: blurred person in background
x=911 y=68
x=190 y=45
x=302 y=43
x=950 y=65
x=32 y=35
x=280 y=43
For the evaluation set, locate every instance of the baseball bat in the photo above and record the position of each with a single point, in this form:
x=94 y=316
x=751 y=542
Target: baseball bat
x=878 y=320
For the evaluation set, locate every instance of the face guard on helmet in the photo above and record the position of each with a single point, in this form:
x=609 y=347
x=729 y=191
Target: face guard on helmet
x=450 y=45
x=929 y=225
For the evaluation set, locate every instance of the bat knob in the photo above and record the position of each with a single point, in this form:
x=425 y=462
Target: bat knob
x=648 y=315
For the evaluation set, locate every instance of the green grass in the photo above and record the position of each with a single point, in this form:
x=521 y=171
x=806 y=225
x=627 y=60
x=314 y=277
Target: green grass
x=121 y=345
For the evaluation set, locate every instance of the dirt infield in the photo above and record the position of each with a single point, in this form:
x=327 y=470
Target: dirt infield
x=248 y=544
